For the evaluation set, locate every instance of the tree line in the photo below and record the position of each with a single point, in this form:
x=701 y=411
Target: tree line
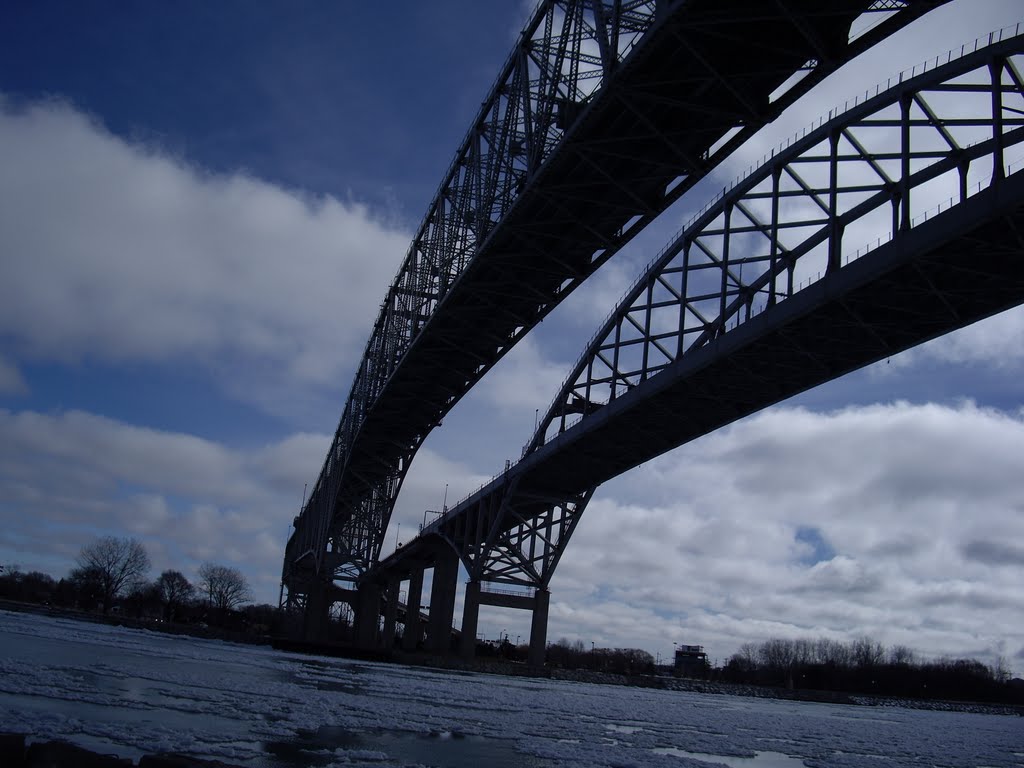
x=866 y=666
x=111 y=575
x=569 y=654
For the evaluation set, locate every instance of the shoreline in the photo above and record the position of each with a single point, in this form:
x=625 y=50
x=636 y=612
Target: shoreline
x=518 y=669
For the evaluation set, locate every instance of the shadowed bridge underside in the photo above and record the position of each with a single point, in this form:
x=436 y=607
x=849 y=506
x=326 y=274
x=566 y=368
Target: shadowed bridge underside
x=605 y=114
x=770 y=292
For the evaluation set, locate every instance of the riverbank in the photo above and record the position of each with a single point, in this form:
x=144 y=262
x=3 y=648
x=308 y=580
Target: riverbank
x=151 y=625
x=665 y=682
x=509 y=668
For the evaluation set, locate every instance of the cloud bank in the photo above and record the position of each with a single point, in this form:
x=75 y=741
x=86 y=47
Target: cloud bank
x=118 y=252
x=898 y=521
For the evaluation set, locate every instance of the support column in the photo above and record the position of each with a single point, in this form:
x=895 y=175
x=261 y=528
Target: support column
x=367 y=615
x=539 y=628
x=442 y=602
x=316 y=620
x=411 y=636
x=470 y=618
x=390 y=615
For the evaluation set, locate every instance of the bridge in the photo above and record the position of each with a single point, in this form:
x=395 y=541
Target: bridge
x=606 y=112
x=895 y=220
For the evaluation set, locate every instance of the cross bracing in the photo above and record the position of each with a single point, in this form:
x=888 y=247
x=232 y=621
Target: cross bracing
x=830 y=197
x=891 y=223
x=604 y=114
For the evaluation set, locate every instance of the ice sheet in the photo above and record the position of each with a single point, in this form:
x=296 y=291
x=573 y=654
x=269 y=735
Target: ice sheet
x=131 y=691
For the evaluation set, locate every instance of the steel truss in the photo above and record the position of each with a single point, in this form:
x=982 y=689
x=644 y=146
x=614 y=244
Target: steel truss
x=585 y=138
x=515 y=537
x=805 y=213
x=744 y=306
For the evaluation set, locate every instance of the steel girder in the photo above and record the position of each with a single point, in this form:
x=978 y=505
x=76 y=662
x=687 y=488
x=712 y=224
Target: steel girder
x=514 y=537
x=605 y=113
x=774 y=289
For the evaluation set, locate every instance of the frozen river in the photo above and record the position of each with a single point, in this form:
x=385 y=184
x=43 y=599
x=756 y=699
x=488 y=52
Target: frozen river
x=132 y=692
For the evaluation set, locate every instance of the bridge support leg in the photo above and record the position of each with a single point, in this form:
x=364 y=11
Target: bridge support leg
x=318 y=612
x=442 y=602
x=539 y=629
x=367 y=615
x=390 y=615
x=470 y=618
x=411 y=635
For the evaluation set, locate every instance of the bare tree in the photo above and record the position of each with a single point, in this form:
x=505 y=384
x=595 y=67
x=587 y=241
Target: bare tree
x=866 y=652
x=116 y=564
x=831 y=652
x=901 y=654
x=225 y=587
x=174 y=590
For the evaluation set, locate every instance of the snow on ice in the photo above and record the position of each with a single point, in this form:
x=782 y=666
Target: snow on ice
x=133 y=692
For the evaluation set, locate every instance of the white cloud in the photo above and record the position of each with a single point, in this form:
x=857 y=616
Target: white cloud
x=66 y=477
x=433 y=481
x=994 y=341
x=919 y=503
x=522 y=381
x=118 y=252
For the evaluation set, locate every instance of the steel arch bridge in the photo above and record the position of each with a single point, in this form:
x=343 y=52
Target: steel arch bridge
x=892 y=222
x=606 y=112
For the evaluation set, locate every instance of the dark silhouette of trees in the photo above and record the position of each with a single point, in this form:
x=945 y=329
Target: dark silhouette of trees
x=85 y=588
x=109 y=576
x=574 y=655
x=112 y=564
x=225 y=588
x=865 y=666
x=31 y=587
x=174 y=591
x=143 y=601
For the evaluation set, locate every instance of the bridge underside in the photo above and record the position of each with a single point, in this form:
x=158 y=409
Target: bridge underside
x=699 y=342
x=491 y=262
x=941 y=276
x=931 y=280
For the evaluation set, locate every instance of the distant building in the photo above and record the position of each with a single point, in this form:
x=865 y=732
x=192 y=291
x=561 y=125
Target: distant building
x=691 y=661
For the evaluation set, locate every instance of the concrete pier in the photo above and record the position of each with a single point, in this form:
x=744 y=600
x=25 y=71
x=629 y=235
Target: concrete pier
x=411 y=635
x=442 y=602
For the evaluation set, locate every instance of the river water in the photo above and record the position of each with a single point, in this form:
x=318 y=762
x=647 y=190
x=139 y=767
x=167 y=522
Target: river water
x=132 y=692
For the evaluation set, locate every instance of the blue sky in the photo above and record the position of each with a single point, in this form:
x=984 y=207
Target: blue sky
x=200 y=212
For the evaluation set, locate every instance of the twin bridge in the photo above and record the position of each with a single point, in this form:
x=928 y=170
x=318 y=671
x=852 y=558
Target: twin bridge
x=895 y=219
